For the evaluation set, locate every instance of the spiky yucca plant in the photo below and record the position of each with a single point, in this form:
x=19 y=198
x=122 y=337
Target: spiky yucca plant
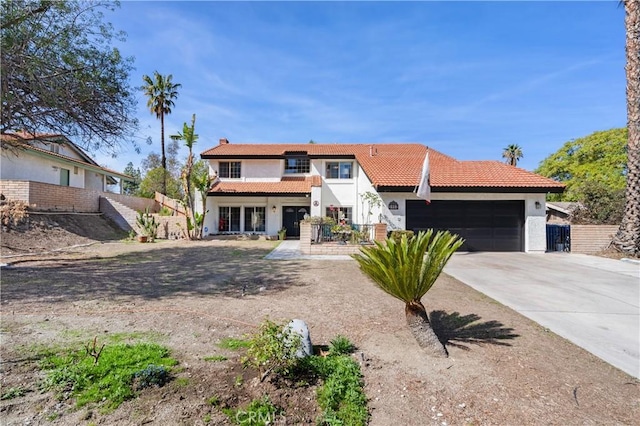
x=406 y=270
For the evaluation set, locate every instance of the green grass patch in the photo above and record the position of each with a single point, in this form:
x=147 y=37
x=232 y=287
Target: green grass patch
x=215 y=358
x=148 y=336
x=110 y=381
x=13 y=393
x=341 y=395
x=233 y=343
x=260 y=412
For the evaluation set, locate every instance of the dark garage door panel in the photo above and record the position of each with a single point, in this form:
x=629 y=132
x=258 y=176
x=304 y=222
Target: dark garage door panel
x=485 y=225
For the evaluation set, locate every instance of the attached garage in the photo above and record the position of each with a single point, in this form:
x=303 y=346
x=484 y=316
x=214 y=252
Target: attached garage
x=485 y=225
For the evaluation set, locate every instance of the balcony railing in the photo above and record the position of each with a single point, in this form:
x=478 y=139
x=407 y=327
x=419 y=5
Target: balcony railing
x=344 y=234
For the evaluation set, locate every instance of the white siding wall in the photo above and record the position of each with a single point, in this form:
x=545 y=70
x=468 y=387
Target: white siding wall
x=93 y=180
x=273 y=219
x=27 y=166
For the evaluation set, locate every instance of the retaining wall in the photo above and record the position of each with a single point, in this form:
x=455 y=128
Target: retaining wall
x=589 y=239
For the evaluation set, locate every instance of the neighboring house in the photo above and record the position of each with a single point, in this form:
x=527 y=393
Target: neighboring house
x=53 y=159
x=264 y=187
x=559 y=212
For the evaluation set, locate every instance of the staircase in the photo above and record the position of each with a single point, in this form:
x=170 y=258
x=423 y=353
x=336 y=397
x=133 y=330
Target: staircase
x=123 y=216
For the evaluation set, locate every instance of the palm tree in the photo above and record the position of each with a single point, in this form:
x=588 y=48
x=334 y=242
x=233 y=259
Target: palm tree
x=161 y=92
x=406 y=270
x=512 y=153
x=627 y=239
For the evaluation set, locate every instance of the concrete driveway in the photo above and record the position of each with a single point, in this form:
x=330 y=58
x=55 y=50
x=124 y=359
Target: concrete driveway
x=593 y=302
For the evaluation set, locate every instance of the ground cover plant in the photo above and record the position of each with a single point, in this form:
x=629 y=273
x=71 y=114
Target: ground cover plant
x=108 y=377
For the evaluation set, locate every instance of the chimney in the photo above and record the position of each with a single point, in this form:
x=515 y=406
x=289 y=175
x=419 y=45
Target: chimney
x=224 y=141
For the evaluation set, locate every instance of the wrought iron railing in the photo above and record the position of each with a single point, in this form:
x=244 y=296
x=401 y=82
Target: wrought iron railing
x=345 y=234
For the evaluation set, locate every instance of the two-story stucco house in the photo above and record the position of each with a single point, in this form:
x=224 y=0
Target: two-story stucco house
x=53 y=159
x=264 y=187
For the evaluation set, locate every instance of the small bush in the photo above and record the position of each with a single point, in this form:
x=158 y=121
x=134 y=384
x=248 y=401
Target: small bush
x=398 y=233
x=165 y=211
x=153 y=375
x=341 y=345
x=13 y=213
x=273 y=348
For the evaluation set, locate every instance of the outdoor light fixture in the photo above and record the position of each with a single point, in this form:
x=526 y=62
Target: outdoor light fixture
x=273 y=209
x=538 y=205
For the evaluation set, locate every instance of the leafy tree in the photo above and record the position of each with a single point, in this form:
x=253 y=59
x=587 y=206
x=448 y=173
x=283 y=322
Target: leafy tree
x=600 y=206
x=154 y=160
x=161 y=92
x=408 y=269
x=189 y=137
x=202 y=182
x=599 y=157
x=131 y=188
x=512 y=153
x=627 y=239
x=155 y=179
x=61 y=75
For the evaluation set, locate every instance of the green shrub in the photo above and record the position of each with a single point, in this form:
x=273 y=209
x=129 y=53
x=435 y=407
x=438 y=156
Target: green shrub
x=398 y=233
x=165 y=211
x=153 y=375
x=341 y=345
x=273 y=348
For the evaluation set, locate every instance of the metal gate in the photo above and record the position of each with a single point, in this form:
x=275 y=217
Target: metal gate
x=558 y=238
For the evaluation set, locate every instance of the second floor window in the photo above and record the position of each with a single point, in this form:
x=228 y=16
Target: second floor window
x=339 y=170
x=296 y=165
x=230 y=169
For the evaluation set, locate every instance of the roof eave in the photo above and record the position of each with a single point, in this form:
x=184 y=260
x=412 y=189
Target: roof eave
x=474 y=189
x=258 y=194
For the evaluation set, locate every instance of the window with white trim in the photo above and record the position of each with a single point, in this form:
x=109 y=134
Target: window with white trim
x=254 y=219
x=229 y=219
x=230 y=169
x=340 y=213
x=297 y=165
x=339 y=170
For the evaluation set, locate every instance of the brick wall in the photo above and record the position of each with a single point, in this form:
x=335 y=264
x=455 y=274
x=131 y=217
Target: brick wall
x=49 y=197
x=590 y=239
x=17 y=190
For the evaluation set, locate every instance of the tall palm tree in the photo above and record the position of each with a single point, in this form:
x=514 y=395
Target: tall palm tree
x=161 y=92
x=406 y=270
x=512 y=153
x=627 y=239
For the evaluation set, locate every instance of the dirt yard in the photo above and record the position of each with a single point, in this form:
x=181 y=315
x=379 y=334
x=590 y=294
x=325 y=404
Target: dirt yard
x=503 y=369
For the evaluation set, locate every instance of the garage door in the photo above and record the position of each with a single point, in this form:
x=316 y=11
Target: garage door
x=485 y=225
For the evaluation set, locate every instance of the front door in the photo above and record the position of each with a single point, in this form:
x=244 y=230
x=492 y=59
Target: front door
x=291 y=217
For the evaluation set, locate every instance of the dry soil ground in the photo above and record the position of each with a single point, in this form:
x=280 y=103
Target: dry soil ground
x=503 y=369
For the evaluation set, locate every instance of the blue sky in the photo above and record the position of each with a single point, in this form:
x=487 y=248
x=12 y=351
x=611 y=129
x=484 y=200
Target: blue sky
x=465 y=78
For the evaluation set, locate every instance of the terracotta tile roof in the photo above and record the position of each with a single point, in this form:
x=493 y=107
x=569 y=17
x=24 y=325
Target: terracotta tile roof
x=19 y=139
x=288 y=185
x=400 y=165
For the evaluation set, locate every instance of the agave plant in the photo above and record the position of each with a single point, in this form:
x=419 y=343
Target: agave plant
x=407 y=269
